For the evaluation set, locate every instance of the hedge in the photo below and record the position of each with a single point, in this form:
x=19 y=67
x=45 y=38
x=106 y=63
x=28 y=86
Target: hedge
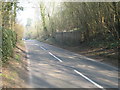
x=8 y=43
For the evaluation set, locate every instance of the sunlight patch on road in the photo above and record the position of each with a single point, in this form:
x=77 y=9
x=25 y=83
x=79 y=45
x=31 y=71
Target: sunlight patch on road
x=72 y=57
x=34 y=44
x=43 y=64
x=108 y=81
x=86 y=66
x=37 y=50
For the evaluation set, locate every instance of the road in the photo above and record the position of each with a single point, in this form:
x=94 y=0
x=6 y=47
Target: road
x=53 y=67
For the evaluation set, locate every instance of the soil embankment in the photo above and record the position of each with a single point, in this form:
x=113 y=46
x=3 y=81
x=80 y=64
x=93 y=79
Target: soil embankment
x=14 y=72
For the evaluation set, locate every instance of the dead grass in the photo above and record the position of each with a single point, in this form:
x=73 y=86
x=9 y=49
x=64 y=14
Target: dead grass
x=109 y=56
x=14 y=72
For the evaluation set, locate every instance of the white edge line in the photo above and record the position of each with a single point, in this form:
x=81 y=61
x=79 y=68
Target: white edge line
x=27 y=57
x=36 y=44
x=55 y=57
x=99 y=86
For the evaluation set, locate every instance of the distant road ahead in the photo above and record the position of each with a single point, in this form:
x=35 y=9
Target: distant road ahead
x=53 y=67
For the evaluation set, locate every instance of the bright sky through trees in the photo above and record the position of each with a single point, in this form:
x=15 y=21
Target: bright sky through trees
x=31 y=10
x=28 y=12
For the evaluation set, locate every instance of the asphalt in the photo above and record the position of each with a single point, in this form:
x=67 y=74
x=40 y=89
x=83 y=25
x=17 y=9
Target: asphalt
x=53 y=67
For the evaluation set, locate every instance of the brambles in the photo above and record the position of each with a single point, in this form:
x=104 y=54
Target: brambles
x=8 y=43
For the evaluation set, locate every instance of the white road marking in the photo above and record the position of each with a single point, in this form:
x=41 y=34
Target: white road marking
x=90 y=59
x=26 y=50
x=28 y=56
x=55 y=57
x=99 y=86
x=28 y=68
x=36 y=44
x=28 y=59
x=43 y=48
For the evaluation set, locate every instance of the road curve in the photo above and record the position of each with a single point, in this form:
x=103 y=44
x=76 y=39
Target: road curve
x=53 y=67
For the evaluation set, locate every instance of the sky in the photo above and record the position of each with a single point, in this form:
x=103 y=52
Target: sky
x=28 y=12
x=31 y=10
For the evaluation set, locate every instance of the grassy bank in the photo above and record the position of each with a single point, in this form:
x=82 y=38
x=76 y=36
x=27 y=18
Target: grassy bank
x=14 y=71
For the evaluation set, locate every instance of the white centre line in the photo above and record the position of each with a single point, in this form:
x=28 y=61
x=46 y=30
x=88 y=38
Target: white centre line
x=36 y=44
x=55 y=57
x=42 y=48
x=99 y=86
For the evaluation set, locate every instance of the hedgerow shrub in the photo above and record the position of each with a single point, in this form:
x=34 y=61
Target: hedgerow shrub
x=8 y=43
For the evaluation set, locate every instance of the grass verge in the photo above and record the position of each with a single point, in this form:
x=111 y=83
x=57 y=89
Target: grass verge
x=14 y=72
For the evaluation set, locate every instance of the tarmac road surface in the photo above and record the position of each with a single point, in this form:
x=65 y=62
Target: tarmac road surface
x=53 y=67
